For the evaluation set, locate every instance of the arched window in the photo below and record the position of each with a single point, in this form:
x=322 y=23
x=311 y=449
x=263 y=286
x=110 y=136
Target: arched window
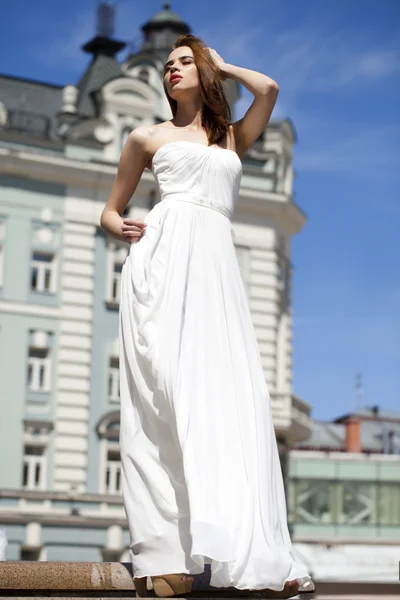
x=110 y=467
x=144 y=75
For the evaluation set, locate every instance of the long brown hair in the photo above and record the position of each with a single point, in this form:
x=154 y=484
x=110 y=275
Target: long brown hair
x=216 y=113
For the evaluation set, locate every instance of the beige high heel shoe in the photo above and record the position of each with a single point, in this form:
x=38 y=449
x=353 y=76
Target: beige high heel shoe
x=292 y=588
x=164 y=586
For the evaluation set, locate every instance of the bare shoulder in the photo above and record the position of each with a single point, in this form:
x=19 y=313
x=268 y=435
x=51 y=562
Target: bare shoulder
x=142 y=140
x=152 y=137
x=138 y=137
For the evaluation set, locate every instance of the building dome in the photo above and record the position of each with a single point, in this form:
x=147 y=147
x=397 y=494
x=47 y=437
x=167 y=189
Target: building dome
x=160 y=32
x=166 y=15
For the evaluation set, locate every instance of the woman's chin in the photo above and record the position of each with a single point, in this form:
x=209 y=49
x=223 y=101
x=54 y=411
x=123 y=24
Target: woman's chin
x=174 y=91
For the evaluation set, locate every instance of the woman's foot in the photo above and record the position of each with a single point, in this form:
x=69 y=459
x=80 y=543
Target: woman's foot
x=164 y=586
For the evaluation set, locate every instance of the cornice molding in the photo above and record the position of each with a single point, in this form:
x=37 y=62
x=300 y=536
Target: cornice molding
x=100 y=175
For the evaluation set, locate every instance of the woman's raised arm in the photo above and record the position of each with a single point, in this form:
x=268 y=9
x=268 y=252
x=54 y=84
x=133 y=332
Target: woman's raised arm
x=265 y=90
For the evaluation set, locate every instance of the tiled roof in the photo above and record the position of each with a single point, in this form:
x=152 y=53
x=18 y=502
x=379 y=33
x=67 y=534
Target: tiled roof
x=19 y=94
x=100 y=71
x=327 y=435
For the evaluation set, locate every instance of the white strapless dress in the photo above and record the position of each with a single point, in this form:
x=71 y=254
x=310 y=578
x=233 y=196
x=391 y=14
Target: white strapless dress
x=201 y=476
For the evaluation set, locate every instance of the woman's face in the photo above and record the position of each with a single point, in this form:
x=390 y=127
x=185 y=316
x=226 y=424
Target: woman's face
x=180 y=72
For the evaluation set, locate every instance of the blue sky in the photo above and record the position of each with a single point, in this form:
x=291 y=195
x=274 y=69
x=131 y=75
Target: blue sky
x=338 y=67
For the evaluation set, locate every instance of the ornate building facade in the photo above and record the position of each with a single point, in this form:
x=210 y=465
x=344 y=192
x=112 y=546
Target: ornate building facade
x=59 y=287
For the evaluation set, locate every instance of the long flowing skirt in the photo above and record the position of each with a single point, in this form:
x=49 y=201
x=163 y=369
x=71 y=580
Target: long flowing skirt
x=201 y=475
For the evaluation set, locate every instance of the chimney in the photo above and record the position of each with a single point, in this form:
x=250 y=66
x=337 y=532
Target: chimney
x=353 y=434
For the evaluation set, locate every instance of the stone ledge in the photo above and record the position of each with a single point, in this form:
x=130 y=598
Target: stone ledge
x=26 y=575
x=22 y=579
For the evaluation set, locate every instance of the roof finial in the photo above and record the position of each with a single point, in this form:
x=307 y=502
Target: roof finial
x=105 y=18
x=167 y=5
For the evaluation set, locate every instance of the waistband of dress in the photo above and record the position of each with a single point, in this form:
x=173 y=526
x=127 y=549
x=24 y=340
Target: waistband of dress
x=200 y=200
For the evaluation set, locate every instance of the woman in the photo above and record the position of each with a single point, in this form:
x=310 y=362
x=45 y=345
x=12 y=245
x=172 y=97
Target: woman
x=201 y=475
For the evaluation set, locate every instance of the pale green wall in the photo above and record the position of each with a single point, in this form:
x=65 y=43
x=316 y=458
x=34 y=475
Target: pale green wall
x=346 y=498
x=330 y=468
x=14 y=336
x=21 y=204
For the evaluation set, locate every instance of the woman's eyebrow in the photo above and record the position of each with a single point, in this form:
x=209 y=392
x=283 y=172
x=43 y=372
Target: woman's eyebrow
x=179 y=57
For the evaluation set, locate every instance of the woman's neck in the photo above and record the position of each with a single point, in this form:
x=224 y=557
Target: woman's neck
x=188 y=116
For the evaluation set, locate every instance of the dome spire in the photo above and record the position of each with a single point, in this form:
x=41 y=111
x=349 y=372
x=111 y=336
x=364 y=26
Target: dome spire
x=104 y=43
x=162 y=29
x=105 y=19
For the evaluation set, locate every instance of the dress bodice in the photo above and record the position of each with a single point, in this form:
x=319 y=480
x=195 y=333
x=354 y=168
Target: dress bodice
x=210 y=172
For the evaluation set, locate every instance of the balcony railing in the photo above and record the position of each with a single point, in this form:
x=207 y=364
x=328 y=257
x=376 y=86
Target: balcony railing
x=291 y=416
x=29 y=123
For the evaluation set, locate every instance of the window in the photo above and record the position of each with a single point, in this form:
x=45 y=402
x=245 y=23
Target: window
x=389 y=503
x=113 y=472
x=38 y=370
x=116 y=282
x=43 y=272
x=313 y=502
x=358 y=503
x=110 y=461
x=113 y=379
x=344 y=503
x=33 y=475
x=144 y=75
x=115 y=260
x=158 y=39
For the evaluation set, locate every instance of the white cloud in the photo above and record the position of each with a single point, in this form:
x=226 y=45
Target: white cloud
x=303 y=59
x=317 y=67
x=308 y=59
x=377 y=64
x=362 y=151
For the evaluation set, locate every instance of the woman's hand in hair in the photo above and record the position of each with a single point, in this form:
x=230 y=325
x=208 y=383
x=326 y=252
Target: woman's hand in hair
x=219 y=61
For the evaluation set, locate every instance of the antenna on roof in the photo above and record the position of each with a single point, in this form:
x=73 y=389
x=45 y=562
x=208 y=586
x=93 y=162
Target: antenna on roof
x=359 y=389
x=105 y=19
